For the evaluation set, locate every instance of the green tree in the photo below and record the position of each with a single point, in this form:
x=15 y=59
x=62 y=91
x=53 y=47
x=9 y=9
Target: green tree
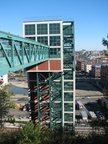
x=102 y=127
x=4 y=103
x=105 y=91
x=31 y=134
x=105 y=43
x=12 y=104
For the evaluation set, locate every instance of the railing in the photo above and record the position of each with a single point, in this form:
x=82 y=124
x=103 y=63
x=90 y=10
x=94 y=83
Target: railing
x=17 y=53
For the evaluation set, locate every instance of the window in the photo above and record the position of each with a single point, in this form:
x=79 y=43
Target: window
x=54 y=52
x=68 y=96
x=67 y=29
x=68 y=127
x=68 y=41
x=30 y=29
x=42 y=29
x=43 y=40
x=68 y=117
x=55 y=41
x=68 y=86
x=54 y=28
x=68 y=107
x=31 y=38
x=68 y=75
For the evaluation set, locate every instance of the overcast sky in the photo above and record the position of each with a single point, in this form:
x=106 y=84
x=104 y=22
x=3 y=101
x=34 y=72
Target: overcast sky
x=90 y=17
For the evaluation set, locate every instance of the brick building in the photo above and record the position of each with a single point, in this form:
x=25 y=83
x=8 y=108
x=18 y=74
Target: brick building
x=96 y=71
x=104 y=74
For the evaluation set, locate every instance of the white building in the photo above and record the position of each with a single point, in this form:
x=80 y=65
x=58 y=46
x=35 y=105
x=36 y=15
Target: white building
x=87 y=68
x=3 y=80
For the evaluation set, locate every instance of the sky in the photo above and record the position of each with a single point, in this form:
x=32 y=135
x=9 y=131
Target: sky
x=90 y=18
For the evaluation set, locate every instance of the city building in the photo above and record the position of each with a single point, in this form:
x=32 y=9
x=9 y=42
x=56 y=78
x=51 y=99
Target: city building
x=52 y=83
x=87 y=68
x=104 y=74
x=96 y=70
x=80 y=64
x=3 y=80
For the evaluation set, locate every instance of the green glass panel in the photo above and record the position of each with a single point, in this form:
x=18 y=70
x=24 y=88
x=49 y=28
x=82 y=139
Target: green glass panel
x=68 y=96
x=30 y=29
x=31 y=38
x=68 y=127
x=68 y=75
x=55 y=41
x=55 y=53
x=42 y=29
x=68 y=107
x=68 y=86
x=67 y=29
x=68 y=117
x=54 y=28
x=43 y=39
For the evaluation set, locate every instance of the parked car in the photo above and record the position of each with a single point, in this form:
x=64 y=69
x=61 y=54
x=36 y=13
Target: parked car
x=100 y=115
x=86 y=97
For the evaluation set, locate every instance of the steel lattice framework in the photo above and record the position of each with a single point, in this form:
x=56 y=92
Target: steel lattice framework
x=17 y=53
x=52 y=94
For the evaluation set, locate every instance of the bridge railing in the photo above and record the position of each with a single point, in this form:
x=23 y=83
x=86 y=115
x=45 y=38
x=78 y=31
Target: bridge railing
x=17 y=53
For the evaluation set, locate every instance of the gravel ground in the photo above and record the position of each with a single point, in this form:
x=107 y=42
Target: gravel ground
x=18 y=113
x=19 y=98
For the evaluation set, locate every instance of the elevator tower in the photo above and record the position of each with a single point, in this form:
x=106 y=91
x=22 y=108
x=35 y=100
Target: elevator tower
x=52 y=83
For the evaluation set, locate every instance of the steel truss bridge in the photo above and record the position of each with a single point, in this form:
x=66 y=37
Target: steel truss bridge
x=17 y=53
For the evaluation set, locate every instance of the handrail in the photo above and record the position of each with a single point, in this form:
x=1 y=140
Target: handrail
x=17 y=53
